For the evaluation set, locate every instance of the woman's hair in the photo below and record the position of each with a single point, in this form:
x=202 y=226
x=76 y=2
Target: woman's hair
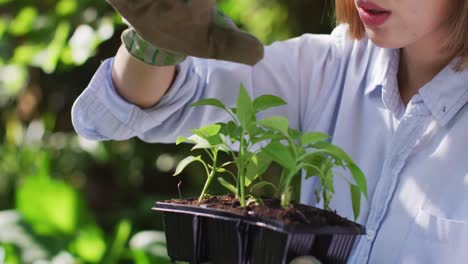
x=457 y=42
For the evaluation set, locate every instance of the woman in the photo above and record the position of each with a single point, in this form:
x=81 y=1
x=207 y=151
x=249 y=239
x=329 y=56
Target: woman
x=390 y=85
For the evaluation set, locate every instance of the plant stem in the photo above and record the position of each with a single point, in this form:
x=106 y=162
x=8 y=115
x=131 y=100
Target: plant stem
x=210 y=176
x=241 y=170
x=286 y=192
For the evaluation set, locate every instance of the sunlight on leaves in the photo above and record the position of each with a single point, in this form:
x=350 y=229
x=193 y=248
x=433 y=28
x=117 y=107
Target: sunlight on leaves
x=24 y=21
x=65 y=7
x=50 y=206
x=90 y=244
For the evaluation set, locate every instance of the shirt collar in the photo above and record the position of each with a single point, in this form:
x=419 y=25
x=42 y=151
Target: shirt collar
x=384 y=68
x=444 y=95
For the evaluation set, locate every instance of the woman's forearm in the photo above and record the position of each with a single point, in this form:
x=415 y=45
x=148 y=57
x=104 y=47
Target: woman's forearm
x=140 y=83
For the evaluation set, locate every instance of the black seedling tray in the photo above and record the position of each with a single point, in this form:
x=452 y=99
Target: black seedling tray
x=197 y=235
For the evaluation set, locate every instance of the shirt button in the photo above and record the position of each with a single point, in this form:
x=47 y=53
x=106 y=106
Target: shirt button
x=370 y=235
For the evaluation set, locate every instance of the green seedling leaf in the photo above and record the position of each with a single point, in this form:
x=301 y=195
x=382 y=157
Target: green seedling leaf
x=257 y=166
x=333 y=150
x=339 y=154
x=227 y=185
x=181 y=140
x=267 y=101
x=294 y=133
x=263 y=184
x=185 y=162
x=359 y=178
x=245 y=111
x=328 y=181
x=267 y=135
x=210 y=102
x=316 y=164
x=313 y=137
x=280 y=154
x=208 y=131
x=279 y=123
x=356 y=200
x=232 y=130
x=202 y=143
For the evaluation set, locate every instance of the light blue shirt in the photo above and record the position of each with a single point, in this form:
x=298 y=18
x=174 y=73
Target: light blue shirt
x=415 y=158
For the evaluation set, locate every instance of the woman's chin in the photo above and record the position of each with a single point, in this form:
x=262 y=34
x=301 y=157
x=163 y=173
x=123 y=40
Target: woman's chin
x=382 y=40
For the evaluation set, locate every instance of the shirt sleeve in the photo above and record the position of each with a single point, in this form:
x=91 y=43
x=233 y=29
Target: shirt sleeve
x=100 y=113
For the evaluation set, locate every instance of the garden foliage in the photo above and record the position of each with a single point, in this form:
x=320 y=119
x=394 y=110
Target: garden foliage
x=66 y=198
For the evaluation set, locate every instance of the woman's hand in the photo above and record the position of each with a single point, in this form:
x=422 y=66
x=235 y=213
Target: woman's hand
x=189 y=27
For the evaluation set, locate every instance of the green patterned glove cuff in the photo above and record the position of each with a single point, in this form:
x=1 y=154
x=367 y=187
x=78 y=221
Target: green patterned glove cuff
x=146 y=52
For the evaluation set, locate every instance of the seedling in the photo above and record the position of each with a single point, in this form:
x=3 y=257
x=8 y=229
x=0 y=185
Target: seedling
x=254 y=144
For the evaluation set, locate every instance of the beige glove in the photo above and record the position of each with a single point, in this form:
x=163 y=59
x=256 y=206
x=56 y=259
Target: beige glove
x=186 y=27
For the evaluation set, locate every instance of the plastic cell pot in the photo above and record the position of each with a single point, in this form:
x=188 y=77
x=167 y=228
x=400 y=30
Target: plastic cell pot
x=196 y=235
x=275 y=243
x=185 y=237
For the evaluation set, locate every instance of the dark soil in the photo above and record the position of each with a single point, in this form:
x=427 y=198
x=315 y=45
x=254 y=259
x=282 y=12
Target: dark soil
x=271 y=209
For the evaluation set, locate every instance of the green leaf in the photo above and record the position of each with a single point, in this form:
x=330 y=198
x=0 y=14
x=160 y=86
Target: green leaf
x=25 y=53
x=185 y=162
x=256 y=167
x=279 y=123
x=9 y=254
x=90 y=244
x=181 y=140
x=214 y=142
x=294 y=133
x=356 y=200
x=65 y=7
x=245 y=110
x=333 y=150
x=232 y=130
x=24 y=21
x=210 y=136
x=55 y=48
x=210 y=102
x=267 y=101
x=314 y=159
x=280 y=154
x=227 y=185
x=313 y=137
x=358 y=177
x=208 y=131
x=328 y=182
x=63 y=205
x=340 y=156
x=263 y=184
x=117 y=248
x=267 y=136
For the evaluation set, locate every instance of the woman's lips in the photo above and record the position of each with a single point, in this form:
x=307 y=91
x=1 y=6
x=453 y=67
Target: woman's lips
x=372 y=14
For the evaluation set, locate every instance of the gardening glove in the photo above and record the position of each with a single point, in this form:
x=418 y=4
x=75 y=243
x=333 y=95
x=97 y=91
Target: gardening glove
x=163 y=32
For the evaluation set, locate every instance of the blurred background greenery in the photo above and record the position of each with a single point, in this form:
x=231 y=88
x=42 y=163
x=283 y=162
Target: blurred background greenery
x=64 y=199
